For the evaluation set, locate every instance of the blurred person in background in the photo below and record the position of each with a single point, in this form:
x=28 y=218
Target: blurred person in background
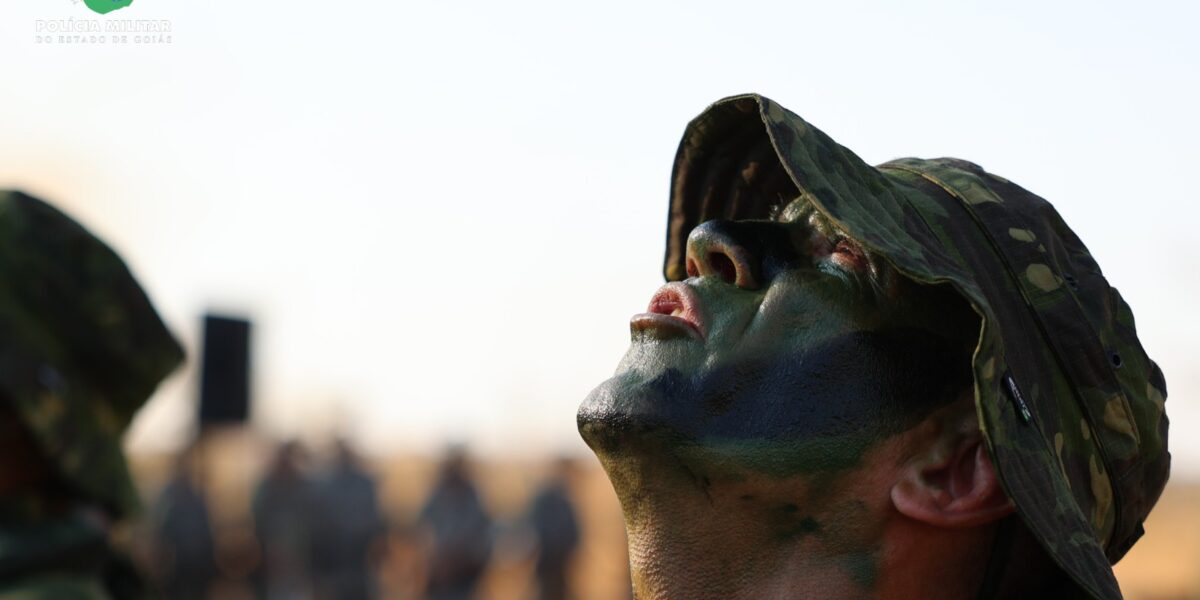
x=553 y=519
x=185 y=563
x=351 y=531
x=81 y=349
x=459 y=529
x=286 y=513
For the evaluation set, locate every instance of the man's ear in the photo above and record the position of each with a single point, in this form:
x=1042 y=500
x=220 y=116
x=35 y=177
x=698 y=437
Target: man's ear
x=949 y=481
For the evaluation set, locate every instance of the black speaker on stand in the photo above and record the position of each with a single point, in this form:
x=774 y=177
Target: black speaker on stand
x=225 y=372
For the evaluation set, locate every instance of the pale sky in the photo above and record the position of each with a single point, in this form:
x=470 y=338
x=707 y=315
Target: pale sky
x=441 y=215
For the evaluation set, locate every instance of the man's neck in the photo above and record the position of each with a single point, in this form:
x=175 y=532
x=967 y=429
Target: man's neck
x=718 y=550
x=820 y=537
x=692 y=537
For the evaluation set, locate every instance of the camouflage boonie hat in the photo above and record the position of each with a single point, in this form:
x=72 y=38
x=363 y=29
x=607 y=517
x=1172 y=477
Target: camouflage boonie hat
x=81 y=348
x=1069 y=403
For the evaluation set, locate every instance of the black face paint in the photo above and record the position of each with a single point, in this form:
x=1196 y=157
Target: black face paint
x=813 y=409
x=790 y=350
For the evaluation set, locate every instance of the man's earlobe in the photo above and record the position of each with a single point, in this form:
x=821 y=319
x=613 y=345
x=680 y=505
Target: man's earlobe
x=953 y=485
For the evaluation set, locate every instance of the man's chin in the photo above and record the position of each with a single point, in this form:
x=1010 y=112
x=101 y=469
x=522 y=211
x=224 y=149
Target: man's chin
x=634 y=428
x=633 y=413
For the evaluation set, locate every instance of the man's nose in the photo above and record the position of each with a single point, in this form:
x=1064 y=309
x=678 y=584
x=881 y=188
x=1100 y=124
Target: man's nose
x=726 y=249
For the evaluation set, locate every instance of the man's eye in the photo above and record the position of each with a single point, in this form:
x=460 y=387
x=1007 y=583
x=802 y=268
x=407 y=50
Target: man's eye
x=845 y=245
x=848 y=255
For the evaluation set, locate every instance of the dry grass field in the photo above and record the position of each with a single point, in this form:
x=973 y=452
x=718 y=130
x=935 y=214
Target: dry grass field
x=1164 y=565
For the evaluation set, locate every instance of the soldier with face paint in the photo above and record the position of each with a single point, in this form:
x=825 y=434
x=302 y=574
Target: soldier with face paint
x=904 y=381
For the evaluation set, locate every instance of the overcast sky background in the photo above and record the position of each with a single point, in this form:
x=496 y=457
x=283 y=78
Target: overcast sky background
x=441 y=215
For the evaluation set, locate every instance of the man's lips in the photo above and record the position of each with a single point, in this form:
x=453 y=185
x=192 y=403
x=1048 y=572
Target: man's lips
x=674 y=308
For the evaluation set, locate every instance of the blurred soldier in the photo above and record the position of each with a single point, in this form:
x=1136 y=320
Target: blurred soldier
x=461 y=529
x=552 y=518
x=81 y=349
x=183 y=532
x=350 y=528
x=285 y=516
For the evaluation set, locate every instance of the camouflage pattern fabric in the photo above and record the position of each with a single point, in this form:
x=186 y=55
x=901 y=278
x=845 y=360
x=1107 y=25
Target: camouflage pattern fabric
x=1070 y=405
x=43 y=556
x=81 y=348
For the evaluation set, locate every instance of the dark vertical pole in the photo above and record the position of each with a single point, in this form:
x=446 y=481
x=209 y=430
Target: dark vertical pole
x=225 y=371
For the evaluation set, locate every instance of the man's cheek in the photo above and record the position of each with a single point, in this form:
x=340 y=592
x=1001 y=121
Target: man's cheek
x=789 y=398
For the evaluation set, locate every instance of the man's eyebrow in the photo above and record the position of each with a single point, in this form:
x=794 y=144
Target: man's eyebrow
x=803 y=210
x=792 y=210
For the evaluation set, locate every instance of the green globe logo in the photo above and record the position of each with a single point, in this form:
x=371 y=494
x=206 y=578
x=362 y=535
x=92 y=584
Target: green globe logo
x=106 y=6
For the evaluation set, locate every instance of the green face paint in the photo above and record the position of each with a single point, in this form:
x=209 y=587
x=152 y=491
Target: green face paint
x=790 y=352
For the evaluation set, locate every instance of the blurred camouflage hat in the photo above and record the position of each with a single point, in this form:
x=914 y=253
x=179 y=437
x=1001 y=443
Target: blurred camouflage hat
x=81 y=348
x=1069 y=403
